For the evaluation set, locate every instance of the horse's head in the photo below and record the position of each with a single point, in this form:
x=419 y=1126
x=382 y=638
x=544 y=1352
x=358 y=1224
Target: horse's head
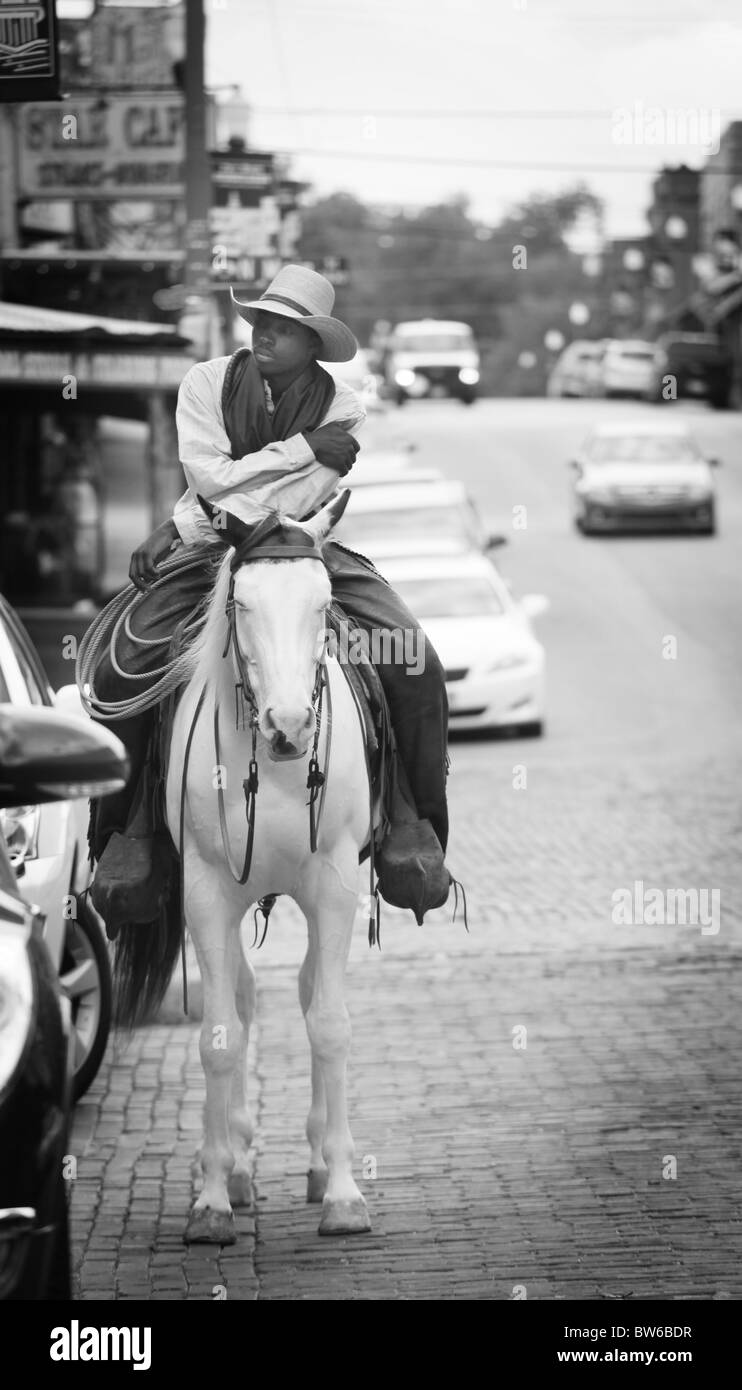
x=280 y=590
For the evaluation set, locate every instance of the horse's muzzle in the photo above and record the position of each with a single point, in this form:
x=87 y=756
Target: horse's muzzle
x=288 y=734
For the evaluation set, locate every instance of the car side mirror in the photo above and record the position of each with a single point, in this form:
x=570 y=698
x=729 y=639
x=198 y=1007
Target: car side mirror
x=534 y=605
x=576 y=465
x=714 y=462
x=493 y=541
x=48 y=756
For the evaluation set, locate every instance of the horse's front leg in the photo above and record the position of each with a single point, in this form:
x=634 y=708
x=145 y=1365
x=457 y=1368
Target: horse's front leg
x=241 y=1125
x=317 y=1117
x=213 y=920
x=330 y=909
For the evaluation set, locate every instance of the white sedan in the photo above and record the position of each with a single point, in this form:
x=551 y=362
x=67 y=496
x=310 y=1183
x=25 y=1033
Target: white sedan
x=649 y=475
x=494 y=663
x=413 y=518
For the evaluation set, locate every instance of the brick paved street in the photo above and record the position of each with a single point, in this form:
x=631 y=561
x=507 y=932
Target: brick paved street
x=490 y=1167
x=494 y=1166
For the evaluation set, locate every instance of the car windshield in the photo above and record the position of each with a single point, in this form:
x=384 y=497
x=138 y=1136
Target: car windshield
x=428 y=523
x=449 y=598
x=433 y=342
x=641 y=448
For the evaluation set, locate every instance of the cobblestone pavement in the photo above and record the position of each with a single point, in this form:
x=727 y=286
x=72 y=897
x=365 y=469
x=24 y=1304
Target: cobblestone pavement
x=602 y=1159
x=487 y=1165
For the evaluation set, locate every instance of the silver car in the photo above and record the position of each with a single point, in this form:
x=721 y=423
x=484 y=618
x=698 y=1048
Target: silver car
x=643 y=476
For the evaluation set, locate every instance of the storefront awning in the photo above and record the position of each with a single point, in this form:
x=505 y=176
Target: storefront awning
x=36 y=321
x=51 y=347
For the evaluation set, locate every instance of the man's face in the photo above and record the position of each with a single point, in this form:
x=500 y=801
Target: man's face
x=282 y=345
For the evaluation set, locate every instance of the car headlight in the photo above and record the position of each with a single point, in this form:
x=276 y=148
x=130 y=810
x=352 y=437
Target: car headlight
x=599 y=494
x=468 y=376
x=404 y=377
x=698 y=494
x=16 y=1003
x=509 y=661
x=20 y=827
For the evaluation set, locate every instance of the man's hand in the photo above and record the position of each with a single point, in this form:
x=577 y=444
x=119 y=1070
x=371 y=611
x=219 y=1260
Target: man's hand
x=150 y=552
x=333 y=446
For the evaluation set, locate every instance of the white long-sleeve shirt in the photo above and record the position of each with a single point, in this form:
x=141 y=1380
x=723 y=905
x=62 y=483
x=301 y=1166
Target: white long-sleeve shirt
x=285 y=475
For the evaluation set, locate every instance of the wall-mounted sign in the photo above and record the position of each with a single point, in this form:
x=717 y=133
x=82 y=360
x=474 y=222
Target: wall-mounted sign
x=117 y=371
x=29 y=65
x=243 y=170
x=136 y=45
x=242 y=231
x=124 y=147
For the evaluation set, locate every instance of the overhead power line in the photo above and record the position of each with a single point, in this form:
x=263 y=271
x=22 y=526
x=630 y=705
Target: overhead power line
x=445 y=114
x=441 y=114
x=516 y=165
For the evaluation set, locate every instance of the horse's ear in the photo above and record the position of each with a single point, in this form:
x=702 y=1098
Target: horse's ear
x=321 y=525
x=230 y=529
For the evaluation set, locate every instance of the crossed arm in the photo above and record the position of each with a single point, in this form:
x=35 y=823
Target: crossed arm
x=295 y=475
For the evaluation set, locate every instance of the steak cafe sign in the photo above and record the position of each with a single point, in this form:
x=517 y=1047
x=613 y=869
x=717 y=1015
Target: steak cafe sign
x=125 y=147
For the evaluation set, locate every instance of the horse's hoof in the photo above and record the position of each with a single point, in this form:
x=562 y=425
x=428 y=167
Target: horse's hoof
x=240 y=1190
x=209 y=1227
x=344 y=1218
x=316 y=1184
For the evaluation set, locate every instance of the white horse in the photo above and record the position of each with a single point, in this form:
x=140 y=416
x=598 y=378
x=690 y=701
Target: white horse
x=278 y=650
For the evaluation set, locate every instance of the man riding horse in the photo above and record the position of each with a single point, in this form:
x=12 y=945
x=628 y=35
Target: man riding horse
x=264 y=429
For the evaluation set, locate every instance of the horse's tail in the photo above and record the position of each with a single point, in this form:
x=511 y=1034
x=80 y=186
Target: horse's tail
x=144 y=960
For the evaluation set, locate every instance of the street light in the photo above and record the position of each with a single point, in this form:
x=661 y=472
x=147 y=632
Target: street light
x=735 y=197
x=578 y=314
x=676 y=228
x=527 y=360
x=592 y=266
x=633 y=258
x=553 y=340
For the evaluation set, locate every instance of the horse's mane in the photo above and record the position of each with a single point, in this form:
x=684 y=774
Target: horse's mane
x=204 y=651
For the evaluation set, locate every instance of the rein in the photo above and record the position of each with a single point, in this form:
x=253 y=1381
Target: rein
x=245 y=695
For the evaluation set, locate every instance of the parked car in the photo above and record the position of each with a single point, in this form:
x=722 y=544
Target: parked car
x=47 y=847
x=431 y=357
x=358 y=375
x=44 y=756
x=647 y=474
x=578 y=371
x=417 y=518
x=385 y=467
x=494 y=663
x=628 y=368
x=699 y=366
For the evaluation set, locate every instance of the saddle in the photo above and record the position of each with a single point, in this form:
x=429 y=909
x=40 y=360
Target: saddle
x=137 y=871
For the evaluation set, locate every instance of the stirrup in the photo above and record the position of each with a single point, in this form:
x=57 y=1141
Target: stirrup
x=411 y=868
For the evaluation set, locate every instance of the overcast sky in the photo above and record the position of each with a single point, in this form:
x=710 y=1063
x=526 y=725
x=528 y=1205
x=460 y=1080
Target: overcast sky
x=353 y=69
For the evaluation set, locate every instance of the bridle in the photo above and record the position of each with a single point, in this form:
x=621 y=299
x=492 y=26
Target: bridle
x=245 y=698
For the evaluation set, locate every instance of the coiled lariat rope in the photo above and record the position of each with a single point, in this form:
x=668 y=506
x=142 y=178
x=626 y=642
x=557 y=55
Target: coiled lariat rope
x=105 y=631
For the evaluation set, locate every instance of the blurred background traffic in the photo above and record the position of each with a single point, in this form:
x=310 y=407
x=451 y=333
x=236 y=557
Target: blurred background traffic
x=540 y=293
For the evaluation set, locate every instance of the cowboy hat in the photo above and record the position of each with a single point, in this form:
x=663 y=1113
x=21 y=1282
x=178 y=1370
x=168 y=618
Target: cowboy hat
x=304 y=295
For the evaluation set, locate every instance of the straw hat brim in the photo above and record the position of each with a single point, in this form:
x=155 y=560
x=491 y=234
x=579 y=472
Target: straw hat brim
x=338 y=343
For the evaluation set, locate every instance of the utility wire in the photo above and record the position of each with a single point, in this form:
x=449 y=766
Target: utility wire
x=445 y=114
x=516 y=165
